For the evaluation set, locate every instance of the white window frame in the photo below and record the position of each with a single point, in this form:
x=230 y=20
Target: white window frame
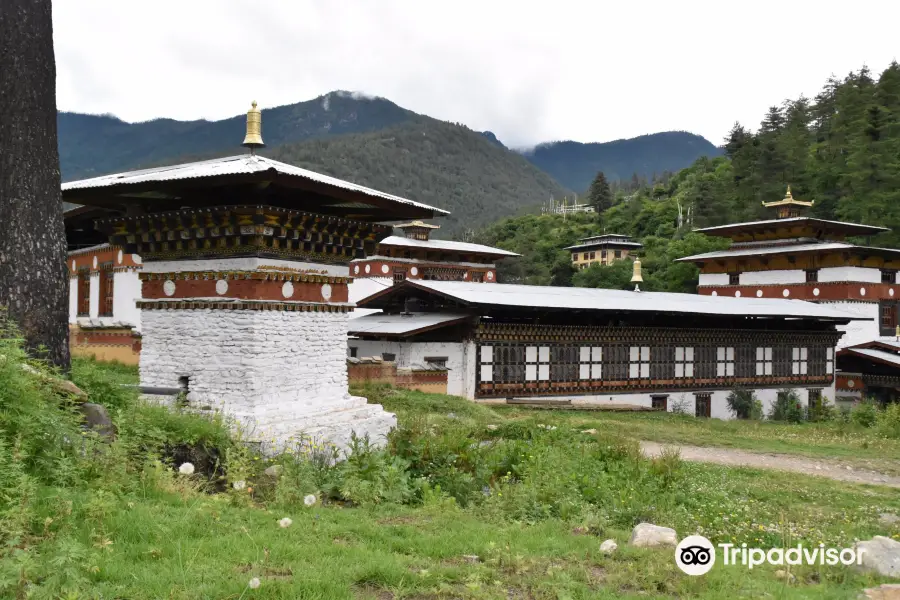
x=725 y=361
x=590 y=363
x=799 y=361
x=639 y=362
x=829 y=361
x=487 y=363
x=537 y=363
x=764 y=360
x=684 y=362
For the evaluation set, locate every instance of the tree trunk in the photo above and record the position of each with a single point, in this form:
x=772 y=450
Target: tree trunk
x=34 y=280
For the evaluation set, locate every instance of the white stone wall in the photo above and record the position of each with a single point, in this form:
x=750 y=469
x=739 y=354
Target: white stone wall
x=239 y=264
x=280 y=374
x=713 y=279
x=95 y=295
x=126 y=292
x=774 y=276
x=73 y=299
x=857 y=332
x=849 y=274
x=411 y=353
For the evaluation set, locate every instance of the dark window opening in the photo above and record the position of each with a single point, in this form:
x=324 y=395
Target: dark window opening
x=734 y=279
x=703 y=405
x=618 y=254
x=106 y=291
x=812 y=275
x=399 y=275
x=593 y=255
x=388 y=356
x=584 y=256
x=84 y=293
x=353 y=351
x=814 y=402
x=888 y=276
x=438 y=361
x=660 y=402
x=888 y=317
x=478 y=276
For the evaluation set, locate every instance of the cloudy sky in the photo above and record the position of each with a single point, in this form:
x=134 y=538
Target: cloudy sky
x=529 y=71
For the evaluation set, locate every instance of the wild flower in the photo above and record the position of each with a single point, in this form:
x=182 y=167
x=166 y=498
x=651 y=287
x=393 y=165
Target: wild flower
x=239 y=485
x=285 y=523
x=309 y=499
x=254 y=583
x=492 y=427
x=186 y=468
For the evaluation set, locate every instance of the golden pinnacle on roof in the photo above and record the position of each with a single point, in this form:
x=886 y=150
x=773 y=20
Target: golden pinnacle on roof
x=788 y=206
x=636 y=275
x=253 y=139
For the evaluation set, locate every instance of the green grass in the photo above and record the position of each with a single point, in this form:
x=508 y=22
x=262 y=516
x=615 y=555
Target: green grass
x=535 y=497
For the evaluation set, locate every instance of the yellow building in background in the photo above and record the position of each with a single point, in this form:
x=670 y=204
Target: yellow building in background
x=602 y=249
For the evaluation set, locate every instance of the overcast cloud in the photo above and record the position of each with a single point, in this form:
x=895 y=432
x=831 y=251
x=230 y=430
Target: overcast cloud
x=528 y=71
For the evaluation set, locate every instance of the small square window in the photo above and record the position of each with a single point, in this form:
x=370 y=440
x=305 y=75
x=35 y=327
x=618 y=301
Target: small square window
x=812 y=275
x=734 y=279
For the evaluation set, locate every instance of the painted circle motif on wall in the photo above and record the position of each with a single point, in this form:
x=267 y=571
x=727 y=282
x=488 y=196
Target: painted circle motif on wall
x=169 y=288
x=815 y=291
x=356 y=269
x=891 y=292
x=490 y=276
x=415 y=271
x=737 y=294
x=221 y=286
x=786 y=293
x=385 y=269
x=120 y=257
x=368 y=268
x=95 y=262
x=759 y=293
x=851 y=383
x=287 y=290
x=137 y=259
x=326 y=291
x=862 y=291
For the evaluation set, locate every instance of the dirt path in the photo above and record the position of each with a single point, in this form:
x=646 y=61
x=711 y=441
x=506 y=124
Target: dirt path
x=783 y=462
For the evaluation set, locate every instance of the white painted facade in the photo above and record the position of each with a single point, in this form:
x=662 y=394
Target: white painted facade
x=95 y=296
x=126 y=291
x=857 y=332
x=713 y=279
x=774 y=276
x=862 y=274
x=241 y=264
x=409 y=353
x=364 y=287
x=73 y=300
x=282 y=375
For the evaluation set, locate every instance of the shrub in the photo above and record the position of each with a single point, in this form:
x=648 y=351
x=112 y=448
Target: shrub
x=744 y=404
x=864 y=413
x=887 y=423
x=681 y=406
x=787 y=407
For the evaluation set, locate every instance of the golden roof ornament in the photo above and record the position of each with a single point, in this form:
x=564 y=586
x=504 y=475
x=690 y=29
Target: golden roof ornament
x=636 y=275
x=253 y=139
x=788 y=206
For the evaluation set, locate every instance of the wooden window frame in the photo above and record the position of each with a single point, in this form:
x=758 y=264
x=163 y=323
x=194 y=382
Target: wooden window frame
x=684 y=362
x=703 y=399
x=639 y=358
x=888 y=276
x=725 y=356
x=765 y=361
x=106 y=288
x=83 y=292
x=590 y=363
x=399 y=275
x=659 y=402
x=734 y=279
x=812 y=275
x=887 y=317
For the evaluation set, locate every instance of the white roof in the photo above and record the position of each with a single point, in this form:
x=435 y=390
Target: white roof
x=757 y=251
x=396 y=240
x=381 y=324
x=881 y=355
x=574 y=298
x=233 y=165
x=791 y=220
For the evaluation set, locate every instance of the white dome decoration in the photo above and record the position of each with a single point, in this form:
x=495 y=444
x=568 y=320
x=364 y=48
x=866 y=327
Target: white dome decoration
x=891 y=292
x=120 y=257
x=786 y=293
x=415 y=271
x=356 y=269
x=287 y=290
x=221 y=286
x=759 y=293
x=368 y=268
x=326 y=291
x=715 y=293
x=73 y=265
x=466 y=275
x=385 y=269
x=169 y=288
x=737 y=294
x=95 y=262
x=815 y=291
x=137 y=259
x=862 y=291
x=490 y=275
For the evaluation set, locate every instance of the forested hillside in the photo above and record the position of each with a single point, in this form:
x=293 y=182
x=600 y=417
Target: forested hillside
x=574 y=164
x=840 y=149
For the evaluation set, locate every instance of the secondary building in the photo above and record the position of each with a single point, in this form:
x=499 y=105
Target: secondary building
x=602 y=249
x=597 y=346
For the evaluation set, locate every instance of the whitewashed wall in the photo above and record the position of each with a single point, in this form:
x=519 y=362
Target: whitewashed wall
x=95 y=295
x=829 y=274
x=857 y=332
x=239 y=264
x=774 y=276
x=411 y=353
x=73 y=299
x=126 y=293
x=364 y=287
x=713 y=279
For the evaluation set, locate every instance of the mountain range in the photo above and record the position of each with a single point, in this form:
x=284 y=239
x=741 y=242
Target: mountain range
x=375 y=142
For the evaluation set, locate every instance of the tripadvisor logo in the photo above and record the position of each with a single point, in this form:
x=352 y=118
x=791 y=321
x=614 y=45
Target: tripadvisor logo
x=696 y=555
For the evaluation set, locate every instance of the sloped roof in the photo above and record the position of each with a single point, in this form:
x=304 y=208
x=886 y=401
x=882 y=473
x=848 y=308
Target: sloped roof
x=788 y=249
x=401 y=325
x=446 y=245
x=824 y=224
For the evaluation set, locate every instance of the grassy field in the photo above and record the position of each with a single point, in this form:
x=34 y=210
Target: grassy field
x=467 y=502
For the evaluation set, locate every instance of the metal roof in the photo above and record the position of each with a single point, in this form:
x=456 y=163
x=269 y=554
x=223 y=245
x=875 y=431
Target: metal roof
x=606 y=242
x=787 y=249
x=402 y=324
x=593 y=299
x=856 y=228
x=246 y=164
x=879 y=355
x=396 y=240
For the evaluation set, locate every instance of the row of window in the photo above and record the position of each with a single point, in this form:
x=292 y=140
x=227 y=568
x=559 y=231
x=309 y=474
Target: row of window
x=512 y=363
x=106 y=287
x=812 y=276
x=593 y=255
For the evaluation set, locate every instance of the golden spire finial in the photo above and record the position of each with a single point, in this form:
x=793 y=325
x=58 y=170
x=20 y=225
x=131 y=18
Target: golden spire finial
x=253 y=139
x=636 y=275
x=787 y=195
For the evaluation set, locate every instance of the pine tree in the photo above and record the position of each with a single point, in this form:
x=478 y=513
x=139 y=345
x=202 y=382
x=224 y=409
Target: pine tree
x=33 y=277
x=599 y=194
